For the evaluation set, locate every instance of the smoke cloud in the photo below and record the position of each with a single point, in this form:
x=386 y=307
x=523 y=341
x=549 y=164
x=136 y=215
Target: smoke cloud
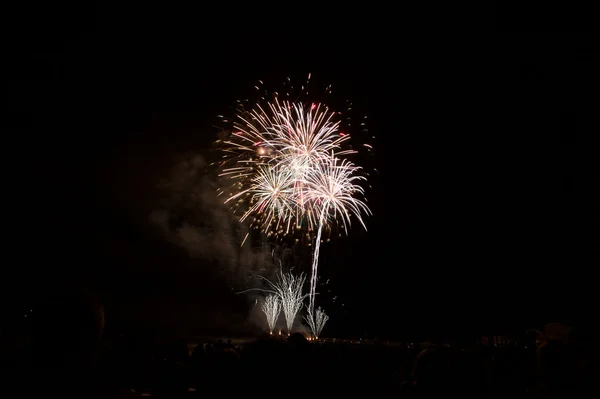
x=192 y=216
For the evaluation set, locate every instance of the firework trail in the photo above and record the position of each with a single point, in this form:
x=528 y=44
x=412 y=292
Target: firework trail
x=316 y=321
x=271 y=308
x=285 y=171
x=331 y=188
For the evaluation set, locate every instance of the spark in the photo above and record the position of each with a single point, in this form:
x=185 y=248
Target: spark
x=244 y=240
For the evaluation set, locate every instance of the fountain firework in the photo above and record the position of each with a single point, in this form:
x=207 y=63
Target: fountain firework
x=271 y=308
x=287 y=289
x=316 y=321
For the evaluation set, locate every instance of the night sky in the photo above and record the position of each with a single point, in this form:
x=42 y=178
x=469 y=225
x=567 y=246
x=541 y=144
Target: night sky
x=482 y=210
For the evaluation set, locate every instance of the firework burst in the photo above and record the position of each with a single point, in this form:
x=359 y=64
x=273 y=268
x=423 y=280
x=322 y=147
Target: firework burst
x=285 y=167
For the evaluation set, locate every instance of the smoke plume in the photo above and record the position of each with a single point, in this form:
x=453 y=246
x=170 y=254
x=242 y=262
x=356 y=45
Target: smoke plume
x=193 y=217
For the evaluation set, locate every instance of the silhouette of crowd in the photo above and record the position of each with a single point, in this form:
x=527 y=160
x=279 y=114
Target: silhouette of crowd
x=71 y=357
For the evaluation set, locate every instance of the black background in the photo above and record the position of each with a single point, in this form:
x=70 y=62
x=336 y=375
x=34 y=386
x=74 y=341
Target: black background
x=482 y=211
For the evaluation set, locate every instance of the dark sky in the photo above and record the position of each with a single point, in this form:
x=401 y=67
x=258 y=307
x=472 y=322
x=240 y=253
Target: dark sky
x=482 y=211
